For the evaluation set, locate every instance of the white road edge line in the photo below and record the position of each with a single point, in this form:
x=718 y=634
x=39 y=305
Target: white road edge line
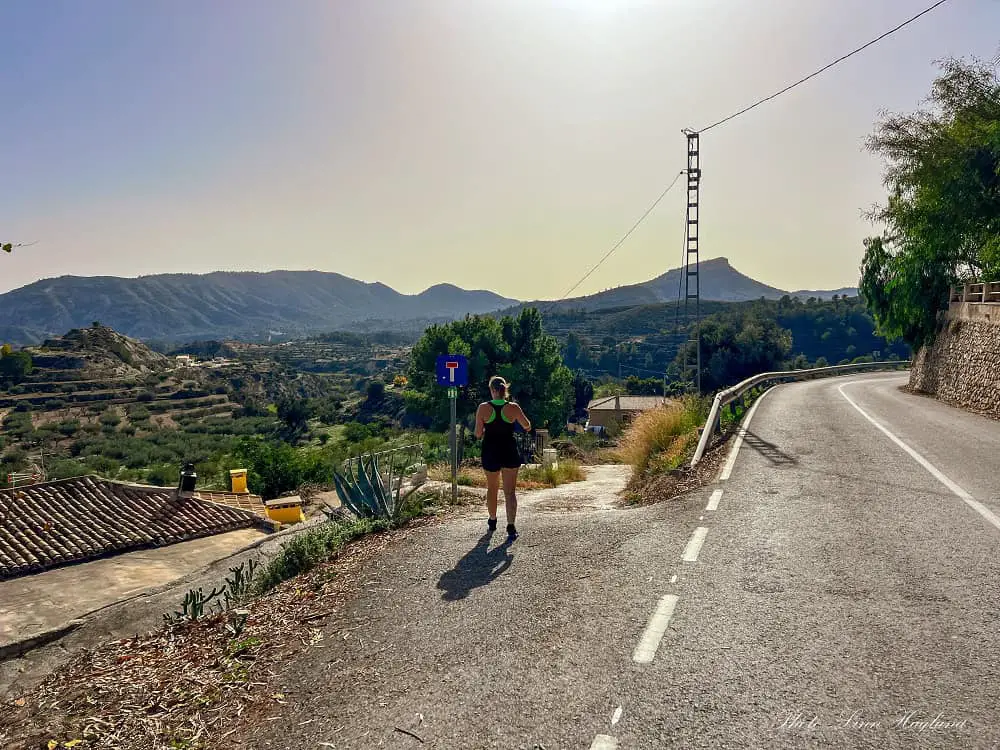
x=651 y=636
x=713 y=501
x=738 y=443
x=694 y=544
x=958 y=491
x=604 y=742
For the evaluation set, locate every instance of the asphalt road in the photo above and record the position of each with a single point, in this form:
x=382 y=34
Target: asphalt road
x=843 y=592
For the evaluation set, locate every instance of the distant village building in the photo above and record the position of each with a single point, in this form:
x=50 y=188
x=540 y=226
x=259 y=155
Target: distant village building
x=610 y=410
x=184 y=360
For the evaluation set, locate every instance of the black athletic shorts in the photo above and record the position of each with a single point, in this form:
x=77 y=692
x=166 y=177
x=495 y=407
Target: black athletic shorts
x=501 y=456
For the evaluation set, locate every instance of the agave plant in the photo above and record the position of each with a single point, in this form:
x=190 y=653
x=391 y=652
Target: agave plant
x=363 y=490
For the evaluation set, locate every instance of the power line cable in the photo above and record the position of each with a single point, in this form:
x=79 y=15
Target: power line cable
x=726 y=119
x=617 y=244
x=824 y=68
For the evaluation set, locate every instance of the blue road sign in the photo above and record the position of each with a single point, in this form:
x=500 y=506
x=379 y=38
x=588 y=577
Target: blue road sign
x=452 y=370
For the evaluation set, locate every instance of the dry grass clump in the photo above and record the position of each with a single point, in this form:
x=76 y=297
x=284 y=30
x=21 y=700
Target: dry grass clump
x=535 y=478
x=660 y=438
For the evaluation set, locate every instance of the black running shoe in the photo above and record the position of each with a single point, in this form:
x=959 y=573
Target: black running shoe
x=491 y=524
x=511 y=532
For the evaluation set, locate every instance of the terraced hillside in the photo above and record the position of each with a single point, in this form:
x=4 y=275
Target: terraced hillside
x=99 y=402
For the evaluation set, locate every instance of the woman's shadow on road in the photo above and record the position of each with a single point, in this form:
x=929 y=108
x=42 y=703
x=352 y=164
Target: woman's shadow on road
x=477 y=567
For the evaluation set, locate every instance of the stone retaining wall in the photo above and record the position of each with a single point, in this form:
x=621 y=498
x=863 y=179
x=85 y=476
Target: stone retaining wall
x=962 y=367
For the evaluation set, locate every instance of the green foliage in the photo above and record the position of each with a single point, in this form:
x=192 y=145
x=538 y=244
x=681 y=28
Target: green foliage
x=367 y=493
x=583 y=393
x=294 y=412
x=515 y=348
x=15 y=367
x=308 y=549
x=274 y=467
x=734 y=346
x=942 y=217
x=234 y=591
x=636 y=386
x=376 y=390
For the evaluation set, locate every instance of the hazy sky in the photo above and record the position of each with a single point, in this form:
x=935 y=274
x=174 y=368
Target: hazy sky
x=502 y=144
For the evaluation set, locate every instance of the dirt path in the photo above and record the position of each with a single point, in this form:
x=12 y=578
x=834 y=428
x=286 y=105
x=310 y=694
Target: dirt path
x=600 y=491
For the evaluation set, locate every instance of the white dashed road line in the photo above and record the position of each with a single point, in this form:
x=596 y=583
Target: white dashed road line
x=937 y=474
x=604 y=742
x=713 y=502
x=694 y=544
x=657 y=626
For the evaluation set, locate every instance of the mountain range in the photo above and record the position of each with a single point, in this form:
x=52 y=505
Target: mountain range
x=253 y=305
x=720 y=282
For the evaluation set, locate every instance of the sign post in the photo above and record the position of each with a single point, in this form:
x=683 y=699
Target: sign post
x=453 y=398
x=453 y=371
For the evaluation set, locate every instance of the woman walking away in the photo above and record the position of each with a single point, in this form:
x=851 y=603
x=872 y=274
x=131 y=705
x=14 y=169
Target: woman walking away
x=495 y=422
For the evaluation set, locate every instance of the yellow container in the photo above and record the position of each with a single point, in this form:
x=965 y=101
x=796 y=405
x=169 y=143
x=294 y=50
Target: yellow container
x=238 y=480
x=285 y=510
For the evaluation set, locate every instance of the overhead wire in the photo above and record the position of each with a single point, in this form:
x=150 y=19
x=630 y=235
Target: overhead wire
x=826 y=67
x=618 y=244
x=716 y=124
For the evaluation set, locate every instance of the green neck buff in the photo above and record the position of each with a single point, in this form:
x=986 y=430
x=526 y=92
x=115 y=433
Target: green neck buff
x=498 y=401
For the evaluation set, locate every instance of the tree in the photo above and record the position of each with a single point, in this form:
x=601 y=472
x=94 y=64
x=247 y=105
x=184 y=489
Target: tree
x=515 y=348
x=942 y=218
x=583 y=393
x=735 y=346
x=14 y=366
x=636 y=386
x=376 y=391
x=294 y=412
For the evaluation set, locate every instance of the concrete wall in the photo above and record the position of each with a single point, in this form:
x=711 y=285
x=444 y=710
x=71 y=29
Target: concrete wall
x=963 y=365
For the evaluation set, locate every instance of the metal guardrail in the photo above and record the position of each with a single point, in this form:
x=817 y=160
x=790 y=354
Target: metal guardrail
x=987 y=292
x=739 y=390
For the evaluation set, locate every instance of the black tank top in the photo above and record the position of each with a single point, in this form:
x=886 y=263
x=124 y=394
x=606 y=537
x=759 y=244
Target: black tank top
x=497 y=429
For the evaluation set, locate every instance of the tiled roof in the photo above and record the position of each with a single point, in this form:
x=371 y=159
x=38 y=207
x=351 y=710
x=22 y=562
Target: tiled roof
x=627 y=403
x=54 y=523
x=251 y=503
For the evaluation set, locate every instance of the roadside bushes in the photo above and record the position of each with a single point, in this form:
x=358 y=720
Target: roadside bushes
x=658 y=440
x=307 y=550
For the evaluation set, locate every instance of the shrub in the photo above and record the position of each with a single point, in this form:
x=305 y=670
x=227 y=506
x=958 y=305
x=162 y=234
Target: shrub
x=667 y=431
x=307 y=550
x=163 y=476
x=355 y=432
x=563 y=472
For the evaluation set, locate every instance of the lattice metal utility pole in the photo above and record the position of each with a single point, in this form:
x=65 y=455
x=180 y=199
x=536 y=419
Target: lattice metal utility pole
x=692 y=291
